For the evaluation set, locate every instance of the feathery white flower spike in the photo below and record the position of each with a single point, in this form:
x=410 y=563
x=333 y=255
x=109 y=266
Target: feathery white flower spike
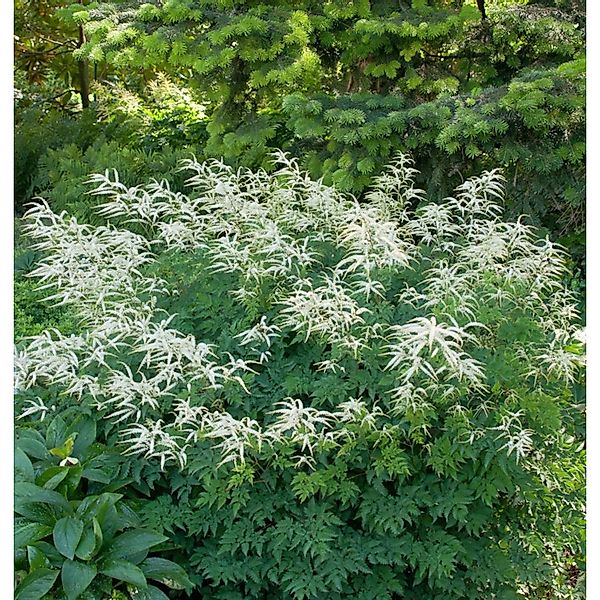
x=343 y=275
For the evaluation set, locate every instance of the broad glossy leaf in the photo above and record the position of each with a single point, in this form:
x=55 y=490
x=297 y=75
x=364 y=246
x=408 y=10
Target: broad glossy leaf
x=67 y=533
x=132 y=542
x=97 y=506
x=29 y=492
x=96 y=475
x=87 y=545
x=124 y=571
x=37 y=559
x=167 y=572
x=36 y=584
x=36 y=512
x=31 y=532
x=56 y=434
x=85 y=427
x=55 y=557
x=76 y=577
x=32 y=443
x=51 y=477
x=23 y=467
x=151 y=593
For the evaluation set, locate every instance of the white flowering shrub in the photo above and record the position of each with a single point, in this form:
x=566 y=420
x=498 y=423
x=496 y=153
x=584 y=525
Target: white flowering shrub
x=397 y=373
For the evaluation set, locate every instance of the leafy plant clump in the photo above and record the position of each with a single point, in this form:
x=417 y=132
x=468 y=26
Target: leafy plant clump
x=378 y=399
x=75 y=537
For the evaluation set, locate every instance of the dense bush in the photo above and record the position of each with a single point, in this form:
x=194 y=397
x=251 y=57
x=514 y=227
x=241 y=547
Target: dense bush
x=332 y=398
x=146 y=137
x=37 y=132
x=535 y=126
x=346 y=85
x=62 y=178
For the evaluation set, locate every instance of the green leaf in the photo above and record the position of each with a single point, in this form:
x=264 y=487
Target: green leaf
x=85 y=428
x=90 y=542
x=36 y=512
x=29 y=492
x=32 y=445
x=36 y=584
x=76 y=577
x=97 y=506
x=51 y=477
x=151 y=593
x=167 y=572
x=56 y=433
x=67 y=533
x=23 y=467
x=56 y=558
x=131 y=542
x=96 y=475
x=124 y=571
x=64 y=450
x=32 y=532
x=36 y=558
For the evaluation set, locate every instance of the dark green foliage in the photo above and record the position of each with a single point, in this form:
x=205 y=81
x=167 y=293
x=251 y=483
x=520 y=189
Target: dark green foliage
x=420 y=515
x=432 y=506
x=32 y=315
x=144 y=137
x=37 y=132
x=535 y=127
x=347 y=85
x=344 y=85
x=73 y=534
x=62 y=180
x=341 y=532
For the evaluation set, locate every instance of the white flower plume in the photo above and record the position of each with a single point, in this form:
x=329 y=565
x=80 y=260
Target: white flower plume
x=378 y=292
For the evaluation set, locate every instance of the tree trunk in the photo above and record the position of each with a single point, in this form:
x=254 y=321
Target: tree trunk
x=481 y=7
x=84 y=71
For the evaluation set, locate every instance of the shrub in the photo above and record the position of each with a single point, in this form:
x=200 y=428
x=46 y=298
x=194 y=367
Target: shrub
x=36 y=132
x=75 y=537
x=346 y=85
x=534 y=127
x=344 y=399
x=64 y=172
x=145 y=135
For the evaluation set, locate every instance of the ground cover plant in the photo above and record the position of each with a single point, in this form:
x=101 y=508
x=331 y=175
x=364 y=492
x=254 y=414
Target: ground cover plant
x=307 y=396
